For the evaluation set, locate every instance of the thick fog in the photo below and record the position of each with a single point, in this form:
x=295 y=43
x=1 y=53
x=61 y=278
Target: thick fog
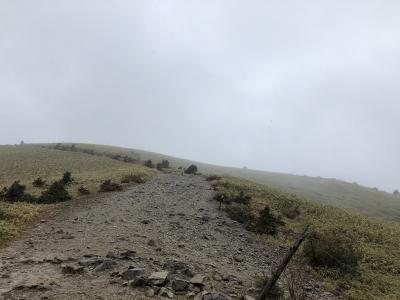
x=303 y=87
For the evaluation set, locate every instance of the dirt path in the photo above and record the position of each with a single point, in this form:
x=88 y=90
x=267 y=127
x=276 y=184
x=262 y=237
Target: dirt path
x=170 y=223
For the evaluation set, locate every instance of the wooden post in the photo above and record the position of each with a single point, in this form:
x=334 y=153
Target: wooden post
x=277 y=273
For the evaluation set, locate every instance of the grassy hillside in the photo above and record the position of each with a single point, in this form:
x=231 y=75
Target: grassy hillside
x=377 y=243
x=27 y=162
x=327 y=191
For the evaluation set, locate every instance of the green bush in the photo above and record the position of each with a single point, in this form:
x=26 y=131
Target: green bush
x=192 y=169
x=109 y=186
x=332 y=249
x=136 y=178
x=67 y=178
x=83 y=191
x=267 y=222
x=16 y=190
x=38 y=182
x=148 y=163
x=55 y=193
x=240 y=213
x=213 y=177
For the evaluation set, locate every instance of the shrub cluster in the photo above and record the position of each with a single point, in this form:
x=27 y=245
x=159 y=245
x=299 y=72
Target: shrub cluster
x=332 y=249
x=148 y=163
x=109 y=186
x=164 y=164
x=83 y=191
x=213 y=177
x=192 y=169
x=135 y=178
x=73 y=148
x=38 y=182
x=56 y=192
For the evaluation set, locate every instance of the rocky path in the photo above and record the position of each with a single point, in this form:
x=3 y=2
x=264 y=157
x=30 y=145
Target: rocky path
x=165 y=237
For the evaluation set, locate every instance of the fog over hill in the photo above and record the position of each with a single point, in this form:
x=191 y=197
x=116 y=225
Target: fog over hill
x=280 y=86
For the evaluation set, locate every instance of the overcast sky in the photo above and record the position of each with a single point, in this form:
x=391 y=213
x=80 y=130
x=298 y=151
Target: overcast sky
x=304 y=87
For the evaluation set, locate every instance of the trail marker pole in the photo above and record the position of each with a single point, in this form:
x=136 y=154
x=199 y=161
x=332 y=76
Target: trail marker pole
x=277 y=273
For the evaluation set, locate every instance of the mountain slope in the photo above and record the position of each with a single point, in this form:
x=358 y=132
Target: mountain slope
x=326 y=191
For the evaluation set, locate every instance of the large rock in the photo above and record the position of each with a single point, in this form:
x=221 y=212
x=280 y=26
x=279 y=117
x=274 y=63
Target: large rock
x=198 y=280
x=131 y=274
x=158 y=278
x=180 y=285
x=164 y=292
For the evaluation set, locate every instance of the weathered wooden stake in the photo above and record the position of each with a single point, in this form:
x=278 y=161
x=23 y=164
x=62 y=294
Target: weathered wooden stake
x=277 y=273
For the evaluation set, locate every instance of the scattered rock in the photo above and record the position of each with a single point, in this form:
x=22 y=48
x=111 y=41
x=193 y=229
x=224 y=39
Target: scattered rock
x=90 y=261
x=106 y=265
x=238 y=258
x=132 y=273
x=198 y=280
x=149 y=292
x=247 y=297
x=72 y=269
x=139 y=281
x=158 y=278
x=180 y=285
x=156 y=244
x=164 y=292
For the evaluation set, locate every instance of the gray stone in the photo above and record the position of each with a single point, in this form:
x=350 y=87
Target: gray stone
x=132 y=273
x=139 y=281
x=180 y=285
x=215 y=296
x=158 y=278
x=238 y=258
x=106 y=265
x=164 y=292
x=198 y=280
x=72 y=269
x=149 y=292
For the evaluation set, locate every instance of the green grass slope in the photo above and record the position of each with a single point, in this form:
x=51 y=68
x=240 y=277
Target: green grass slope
x=326 y=191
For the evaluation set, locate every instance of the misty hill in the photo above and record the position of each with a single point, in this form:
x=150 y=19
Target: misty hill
x=31 y=161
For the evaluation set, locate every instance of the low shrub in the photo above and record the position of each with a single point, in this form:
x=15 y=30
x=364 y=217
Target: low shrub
x=332 y=249
x=241 y=214
x=148 y=163
x=136 y=178
x=39 y=182
x=83 y=191
x=192 y=169
x=109 y=186
x=16 y=190
x=267 y=222
x=55 y=193
x=67 y=178
x=213 y=178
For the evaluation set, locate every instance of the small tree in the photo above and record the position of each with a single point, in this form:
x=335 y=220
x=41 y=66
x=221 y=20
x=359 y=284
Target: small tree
x=55 y=193
x=22 y=142
x=149 y=164
x=165 y=164
x=396 y=192
x=16 y=190
x=267 y=222
x=192 y=169
x=67 y=178
x=38 y=182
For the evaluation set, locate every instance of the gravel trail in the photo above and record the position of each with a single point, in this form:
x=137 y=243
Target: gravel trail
x=169 y=223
